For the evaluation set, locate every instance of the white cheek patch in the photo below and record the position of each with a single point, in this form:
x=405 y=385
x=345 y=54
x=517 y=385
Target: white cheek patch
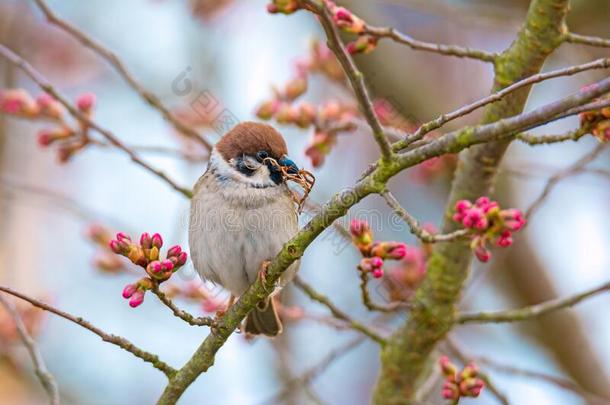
x=261 y=176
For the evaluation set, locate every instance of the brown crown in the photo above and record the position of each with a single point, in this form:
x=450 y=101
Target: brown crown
x=248 y=138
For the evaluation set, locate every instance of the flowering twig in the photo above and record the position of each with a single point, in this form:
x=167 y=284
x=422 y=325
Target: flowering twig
x=457 y=351
x=533 y=311
x=414 y=226
x=113 y=339
x=118 y=65
x=575 y=168
x=337 y=313
x=47 y=87
x=185 y=316
x=449 y=50
x=467 y=109
x=40 y=369
x=355 y=77
x=587 y=40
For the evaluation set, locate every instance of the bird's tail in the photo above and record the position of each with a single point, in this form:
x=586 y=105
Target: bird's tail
x=263 y=319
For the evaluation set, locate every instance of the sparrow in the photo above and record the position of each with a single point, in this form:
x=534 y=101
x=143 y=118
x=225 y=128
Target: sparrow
x=242 y=213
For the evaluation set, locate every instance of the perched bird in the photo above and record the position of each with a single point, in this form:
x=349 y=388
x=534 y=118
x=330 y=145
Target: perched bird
x=242 y=213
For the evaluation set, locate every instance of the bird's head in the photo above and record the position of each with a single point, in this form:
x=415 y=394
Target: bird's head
x=242 y=154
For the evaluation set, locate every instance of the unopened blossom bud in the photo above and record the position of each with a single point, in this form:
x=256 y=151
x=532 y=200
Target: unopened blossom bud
x=98 y=233
x=49 y=106
x=377 y=272
x=364 y=44
x=47 y=136
x=471 y=370
x=447 y=367
x=154 y=267
x=180 y=259
x=136 y=299
x=129 y=290
x=18 y=102
x=602 y=131
x=347 y=21
x=471 y=387
x=157 y=241
x=283 y=6
x=361 y=232
x=450 y=390
x=482 y=253
x=137 y=256
x=266 y=110
x=123 y=237
x=174 y=251
x=389 y=250
x=370 y=264
x=285 y=114
x=505 y=239
x=146 y=240
x=306 y=115
x=315 y=155
x=295 y=87
x=475 y=218
x=85 y=102
x=513 y=219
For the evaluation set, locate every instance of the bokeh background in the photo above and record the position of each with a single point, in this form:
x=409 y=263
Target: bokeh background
x=236 y=51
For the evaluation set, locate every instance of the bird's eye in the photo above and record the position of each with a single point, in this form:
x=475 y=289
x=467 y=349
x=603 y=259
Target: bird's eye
x=261 y=155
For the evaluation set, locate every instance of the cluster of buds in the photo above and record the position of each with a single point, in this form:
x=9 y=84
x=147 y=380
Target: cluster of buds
x=598 y=122
x=458 y=384
x=69 y=138
x=348 y=22
x=283 y=6
x=104 y=260
x=210 y=300
x=374 y=252
x=327 y=120
x=146 y=254
x=488 y=223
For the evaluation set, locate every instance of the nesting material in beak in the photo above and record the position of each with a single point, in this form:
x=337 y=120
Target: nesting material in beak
x=290 y=172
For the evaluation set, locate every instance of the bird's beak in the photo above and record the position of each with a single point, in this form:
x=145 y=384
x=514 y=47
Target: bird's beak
x=288 y=163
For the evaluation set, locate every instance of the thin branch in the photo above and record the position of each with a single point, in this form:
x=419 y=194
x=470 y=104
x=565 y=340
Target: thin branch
x=587 y=40
x=533 y=311
x=576 y=168
x=308 y=376
x=449 y=50
x=185 y=316
x=534 y=140
x=337 y=313
x=113 y=339
x=464 y=358
x=368 y=301
x=565 y=383
x=40 y=369
x=355 y=77
x=48 y=88
x=119 y=66
x=414 y=226
x=467 y=109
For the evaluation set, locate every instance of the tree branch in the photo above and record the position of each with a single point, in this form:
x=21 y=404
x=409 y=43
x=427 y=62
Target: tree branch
x=355 y=77
x=497 y=96
x=534 y=140
x=48 y=88
x=448 y=50
x=587 y=40
x=182 y=314
x=337 y=313
x=119 y=66
x=113 y=339
x=414 y=226
x=531 y=312
x=47 y=380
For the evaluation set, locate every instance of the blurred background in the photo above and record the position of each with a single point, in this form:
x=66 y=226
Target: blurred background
x=235 y=52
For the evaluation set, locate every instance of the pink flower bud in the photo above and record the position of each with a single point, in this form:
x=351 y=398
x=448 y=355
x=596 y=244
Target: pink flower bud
x=17 y=101
x=358 y=227
x=450 y=390
x=167 y=265
x=364 y=44
x=462 y=205
x=376 y=262
x=347 y=21
x=296 y=87
x=115 y=246
x=174 y=251
x=85 y=102
x=123 y=237
x=398 y=251
x=45 y=138
x=146 y=240
x=505 y=239
x=513 y=219
x=136 y=299
x=471 y=387
x=482 y=253
x=447 y=367
x=49 y=106
x=157 y=241
x=180 y=259
x=475 y=218
x=155 y=267
x=377 y=273
x=266 y=110
x=129 y=290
